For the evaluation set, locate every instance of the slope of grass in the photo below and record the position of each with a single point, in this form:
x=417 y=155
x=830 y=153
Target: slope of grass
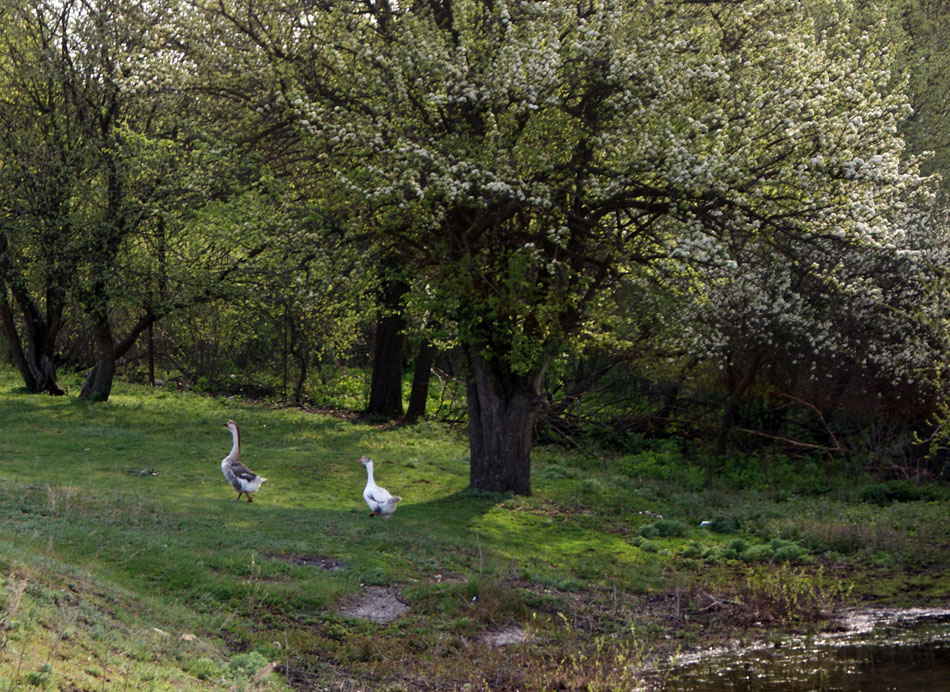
x=128 y=563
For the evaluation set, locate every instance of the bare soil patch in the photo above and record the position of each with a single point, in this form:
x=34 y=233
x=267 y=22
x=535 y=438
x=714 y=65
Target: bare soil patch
x=376 y=603
x=509 y=634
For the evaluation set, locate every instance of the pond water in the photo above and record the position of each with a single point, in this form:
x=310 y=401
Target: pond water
x=880 y=651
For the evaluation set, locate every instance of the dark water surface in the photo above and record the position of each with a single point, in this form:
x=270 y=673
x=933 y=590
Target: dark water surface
x=888 y=651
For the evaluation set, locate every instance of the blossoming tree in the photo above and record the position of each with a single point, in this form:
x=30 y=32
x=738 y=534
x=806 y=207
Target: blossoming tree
x=524 y=157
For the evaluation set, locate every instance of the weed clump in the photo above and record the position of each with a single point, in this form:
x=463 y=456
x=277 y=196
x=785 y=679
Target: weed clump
x=791 y=594
x=665 y=462
x=890 y=492
x=694 y=551
x=757 y=553
x=664 y=528
x=646 y=545
x=594 y=486
x=739 y=550
x=724 y=525
x=204 y=668
x=557 y=472
x=40 y=677
x=248 y=670
x=786 y=551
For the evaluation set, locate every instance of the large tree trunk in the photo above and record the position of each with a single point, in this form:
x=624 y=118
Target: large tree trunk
x=421 y=373
x=385 y=397
x=98 y=383
x=502 y=409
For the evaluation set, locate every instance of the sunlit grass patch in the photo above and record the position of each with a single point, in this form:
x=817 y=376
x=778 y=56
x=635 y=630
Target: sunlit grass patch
x=125 y=501
x=62 y=629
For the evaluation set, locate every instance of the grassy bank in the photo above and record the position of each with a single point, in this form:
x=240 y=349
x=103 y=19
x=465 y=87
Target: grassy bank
x=126 y=562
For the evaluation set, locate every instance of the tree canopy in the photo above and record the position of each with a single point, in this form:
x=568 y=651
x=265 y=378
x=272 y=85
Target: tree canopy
x=728 y=180
x=528 y=157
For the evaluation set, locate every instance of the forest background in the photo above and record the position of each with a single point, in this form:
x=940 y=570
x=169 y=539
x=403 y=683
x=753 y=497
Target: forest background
x=678 y=258
x=720 y=222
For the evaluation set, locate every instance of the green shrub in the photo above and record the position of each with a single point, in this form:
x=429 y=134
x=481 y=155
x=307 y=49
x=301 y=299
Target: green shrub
x=761 y=552
x=730 y=553
x=694 y=550
x=670 y=528
x=646 y=545
x=246 y=666
x=892 y=491
x=556 y=472
x=593 y=485
x=776 y=471
x=665 y=462
x=663 y=528
x=724 y=525
x=786 y=551
x=38 y=678
x=204 y=669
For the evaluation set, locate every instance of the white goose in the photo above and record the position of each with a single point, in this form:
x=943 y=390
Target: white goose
x=238 y=475
x=379 y=500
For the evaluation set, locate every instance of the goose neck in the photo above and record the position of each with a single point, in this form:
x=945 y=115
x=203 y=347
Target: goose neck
x=235 y=443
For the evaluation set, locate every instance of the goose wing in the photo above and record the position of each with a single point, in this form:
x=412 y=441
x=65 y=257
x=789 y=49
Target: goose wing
x=376 y=497
x=379 y=495
x=238 y=475
x=243 y=472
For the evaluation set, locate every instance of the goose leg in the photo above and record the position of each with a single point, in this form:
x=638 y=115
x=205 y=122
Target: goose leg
x=239 y=496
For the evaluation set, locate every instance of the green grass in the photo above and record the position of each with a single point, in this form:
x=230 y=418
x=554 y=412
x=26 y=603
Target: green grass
x=128 y=564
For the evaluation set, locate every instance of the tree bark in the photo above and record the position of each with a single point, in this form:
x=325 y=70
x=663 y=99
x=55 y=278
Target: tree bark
x=37 y=363
x=300 y=355
x=385 y=398
x=421 y=373
x=151 y=356
x=16 y=348
x=502 y=409
x=98 y=383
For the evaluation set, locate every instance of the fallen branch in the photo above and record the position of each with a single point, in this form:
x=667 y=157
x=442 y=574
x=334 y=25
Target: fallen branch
x=792 y=441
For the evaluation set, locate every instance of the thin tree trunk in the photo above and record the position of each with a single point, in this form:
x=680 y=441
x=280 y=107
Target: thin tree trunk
x=300 y=356
x=16 y=348
x=36 y=363
x=385 y=398
x=421 y=373
x=732 y=404
x=151 y=356
x=502 y=409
